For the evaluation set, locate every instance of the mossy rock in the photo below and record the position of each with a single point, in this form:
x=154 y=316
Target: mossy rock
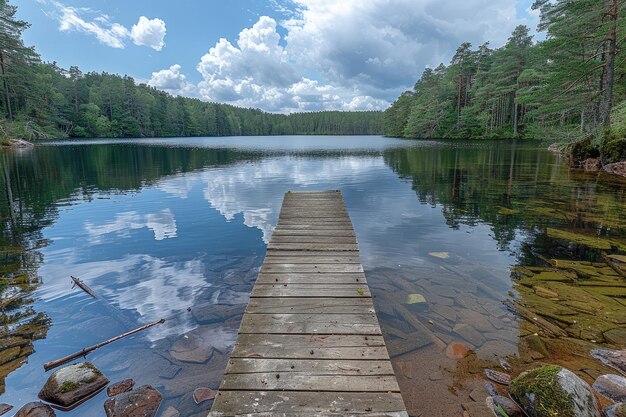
x=586 y=239
x=73 y=384
x=551 y=391
x=613 y=151
x=581 y=150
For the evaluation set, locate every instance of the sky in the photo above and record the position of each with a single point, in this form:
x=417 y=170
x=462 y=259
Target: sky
x=277 y=55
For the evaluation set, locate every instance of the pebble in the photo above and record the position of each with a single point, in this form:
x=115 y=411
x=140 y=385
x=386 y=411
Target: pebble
x=457 y=350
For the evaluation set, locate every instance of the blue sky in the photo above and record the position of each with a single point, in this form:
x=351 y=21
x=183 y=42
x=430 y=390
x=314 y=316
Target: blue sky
x=279 y=55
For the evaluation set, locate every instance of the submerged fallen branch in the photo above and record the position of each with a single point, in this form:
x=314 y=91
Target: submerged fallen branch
x=85 y=351
x=83 y=286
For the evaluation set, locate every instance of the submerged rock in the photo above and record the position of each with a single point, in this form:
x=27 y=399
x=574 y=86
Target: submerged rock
x=554 y=391
x=142 y=402
x=120 y=387
x=416 y=302
x=203 y=394
x=457 y=350
x=469 y=333
x=170 y=412
x=611 y=386
x=36 y=409
x=213 y=313
x=75 y=383
x=192 y=348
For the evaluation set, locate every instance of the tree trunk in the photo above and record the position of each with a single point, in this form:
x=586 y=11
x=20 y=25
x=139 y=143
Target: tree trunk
x=582 y=121
x=515 y=116
x=607 y=93
x=458 y=102
x=6 y=88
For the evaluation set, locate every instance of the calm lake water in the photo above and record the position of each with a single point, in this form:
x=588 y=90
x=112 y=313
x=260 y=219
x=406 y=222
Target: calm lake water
x=158 y=226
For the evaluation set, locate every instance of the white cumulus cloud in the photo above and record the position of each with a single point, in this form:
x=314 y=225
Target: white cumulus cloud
x=110 y=34
x=146 y=32
x=149 y=32
x=345 y=55
x=172 y=81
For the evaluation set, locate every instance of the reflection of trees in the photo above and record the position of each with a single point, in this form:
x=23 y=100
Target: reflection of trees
x=32 y=185
x=509 y=188
x=564 y=288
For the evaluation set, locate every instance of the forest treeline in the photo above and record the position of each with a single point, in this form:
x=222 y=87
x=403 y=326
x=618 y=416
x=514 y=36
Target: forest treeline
x=568 y=86
x=41 y=100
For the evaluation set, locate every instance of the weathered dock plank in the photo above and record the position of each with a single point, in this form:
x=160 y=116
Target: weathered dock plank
x=310 y=343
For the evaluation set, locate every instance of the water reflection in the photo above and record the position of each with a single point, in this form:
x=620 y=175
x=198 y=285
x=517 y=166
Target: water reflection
x=179 y=232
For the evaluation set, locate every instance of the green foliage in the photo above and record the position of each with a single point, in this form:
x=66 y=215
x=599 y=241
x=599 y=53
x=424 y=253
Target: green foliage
x=560 y=89
x=613 y=151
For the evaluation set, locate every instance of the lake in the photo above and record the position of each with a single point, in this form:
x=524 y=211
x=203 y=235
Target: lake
x=170 y=228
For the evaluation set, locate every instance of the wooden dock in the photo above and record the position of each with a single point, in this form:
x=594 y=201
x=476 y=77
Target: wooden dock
x=309 y=342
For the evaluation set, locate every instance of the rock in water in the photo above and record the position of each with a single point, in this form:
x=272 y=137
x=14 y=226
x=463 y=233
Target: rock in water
x=616 y=410
x=416 y=302
x=73 y=384
x=554 y=391
x=5 y=408
x=192 y=348
x=457 y=350
x=616 y=359
x=170 y=412
x=120 y=387
x=203 y=394
x=36 y=410
x=142 y=402
x=612 y=387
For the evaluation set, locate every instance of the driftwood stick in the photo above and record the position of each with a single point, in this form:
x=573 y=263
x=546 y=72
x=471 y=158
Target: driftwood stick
x=84 y=286
x=415 y=323
x=87 y=350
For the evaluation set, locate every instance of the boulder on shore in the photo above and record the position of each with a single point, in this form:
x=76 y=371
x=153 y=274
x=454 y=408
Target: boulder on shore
x=142 y=402
x=554 y=391
x=36 y=409
x=616 y=168
x=612 y=387
x=16 y=144
x=616 y=359
x=73 y=384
